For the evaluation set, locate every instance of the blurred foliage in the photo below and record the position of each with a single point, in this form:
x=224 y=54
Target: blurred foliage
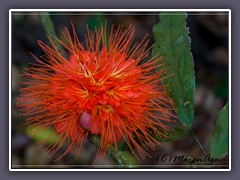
x=222 y=89
x=47 y=135
x=96 y=20
x=219 y=141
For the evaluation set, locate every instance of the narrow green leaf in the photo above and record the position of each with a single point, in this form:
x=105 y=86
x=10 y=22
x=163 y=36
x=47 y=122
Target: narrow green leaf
x=49 y=29
x=124 y=158
x=47 y=135
x=219 y=140
x=172 y=43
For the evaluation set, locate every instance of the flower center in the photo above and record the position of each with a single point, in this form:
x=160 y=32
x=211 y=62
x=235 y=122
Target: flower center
x=107 y=108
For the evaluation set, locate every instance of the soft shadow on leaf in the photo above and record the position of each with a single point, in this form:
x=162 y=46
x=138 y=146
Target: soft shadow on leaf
x=172 y=43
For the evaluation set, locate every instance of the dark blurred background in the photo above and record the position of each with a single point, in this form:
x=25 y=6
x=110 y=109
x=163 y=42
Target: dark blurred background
x=209 y=39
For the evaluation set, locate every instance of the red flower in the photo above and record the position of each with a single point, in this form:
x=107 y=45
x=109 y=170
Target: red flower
x=108 y=88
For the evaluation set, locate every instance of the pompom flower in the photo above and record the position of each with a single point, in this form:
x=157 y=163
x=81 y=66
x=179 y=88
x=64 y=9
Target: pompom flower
x=107 y=87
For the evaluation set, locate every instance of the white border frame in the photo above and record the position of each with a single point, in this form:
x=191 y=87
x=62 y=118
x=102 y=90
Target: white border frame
x=118 y=10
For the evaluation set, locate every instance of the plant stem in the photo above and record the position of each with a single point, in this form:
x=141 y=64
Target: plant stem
x=198 y=142
x=123 y=158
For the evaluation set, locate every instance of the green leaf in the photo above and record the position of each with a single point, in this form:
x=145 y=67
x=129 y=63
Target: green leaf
x=123 y=158
x=172 y=43
x=219 y=140
x=172 y=135
x=47 y=135
x=50 y=30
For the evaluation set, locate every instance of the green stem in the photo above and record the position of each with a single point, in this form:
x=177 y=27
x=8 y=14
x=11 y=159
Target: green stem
x=123 y=158
x=198 y=142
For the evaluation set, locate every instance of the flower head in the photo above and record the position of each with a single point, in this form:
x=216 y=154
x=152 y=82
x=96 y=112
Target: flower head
x=107 y=87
